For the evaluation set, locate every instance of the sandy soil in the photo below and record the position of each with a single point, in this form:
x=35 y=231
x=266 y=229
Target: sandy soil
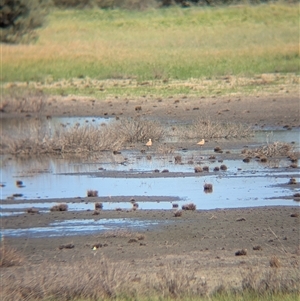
x=203 y=241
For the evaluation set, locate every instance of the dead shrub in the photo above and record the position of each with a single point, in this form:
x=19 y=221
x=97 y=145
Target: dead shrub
x=270 y=150
x=218 y=149
x=257 y=248
x=263 y=159
x=98 y=206
x=9 y=257
x=178 y=213
x=177 y=159
x=32 y=210
x=217 y=168
x=19 y=183
x=292 y=181
x=208 y=187
x=275 y=262
x=92 y=193
x=135 y=205
x=205 y=168
x=190 y=206
x=59 y=207
x=198 y=169
x=174 y=205
x=77 y=139
x=137 y=130
x=210 y=129
x=223 y=167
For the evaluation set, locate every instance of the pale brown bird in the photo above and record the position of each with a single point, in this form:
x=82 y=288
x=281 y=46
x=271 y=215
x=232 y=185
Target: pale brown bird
x=201 y=142
x=149 y=143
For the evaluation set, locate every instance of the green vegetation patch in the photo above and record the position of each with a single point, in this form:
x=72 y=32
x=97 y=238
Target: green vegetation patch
x=166 y=44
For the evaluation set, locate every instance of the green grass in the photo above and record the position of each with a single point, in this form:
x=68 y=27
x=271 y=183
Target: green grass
x=174 y=43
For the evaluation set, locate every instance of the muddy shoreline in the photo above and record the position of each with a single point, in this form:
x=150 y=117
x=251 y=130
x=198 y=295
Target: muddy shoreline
x=205 y=241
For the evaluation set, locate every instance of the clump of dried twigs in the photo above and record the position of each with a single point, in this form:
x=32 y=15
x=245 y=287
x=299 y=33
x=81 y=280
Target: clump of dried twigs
x=138 y=130
x=209 y=129
x=270 y=150
x=59 y=207
x=178 y=213
x=92 y=193
x=208 y=187
x=79 y=139
x=190 y=206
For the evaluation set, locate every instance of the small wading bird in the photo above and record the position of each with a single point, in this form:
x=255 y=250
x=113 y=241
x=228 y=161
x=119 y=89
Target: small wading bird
x=201 y=142
x=149 y=143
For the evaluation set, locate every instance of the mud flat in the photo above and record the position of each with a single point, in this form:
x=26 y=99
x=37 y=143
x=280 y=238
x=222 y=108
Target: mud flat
x=215 y=246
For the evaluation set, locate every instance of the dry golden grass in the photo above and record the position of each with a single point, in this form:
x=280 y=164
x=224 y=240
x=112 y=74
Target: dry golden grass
x=101 y=279
x=9 y=256
x=163 y=46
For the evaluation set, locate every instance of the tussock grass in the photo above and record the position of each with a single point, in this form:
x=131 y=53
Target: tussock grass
x=9 y=257
x=158 y=45
x=210 y=129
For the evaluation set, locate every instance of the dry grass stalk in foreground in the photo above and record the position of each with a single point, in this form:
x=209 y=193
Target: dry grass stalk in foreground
x=209 y=129
x=269 y=150
x=9 y=256
x=102 y=279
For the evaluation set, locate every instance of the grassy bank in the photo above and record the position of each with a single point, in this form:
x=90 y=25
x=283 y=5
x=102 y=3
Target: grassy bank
x=158 y=44
x=101 y=279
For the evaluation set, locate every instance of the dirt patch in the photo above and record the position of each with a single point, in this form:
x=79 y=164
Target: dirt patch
x=277 y=109
x=200 y=240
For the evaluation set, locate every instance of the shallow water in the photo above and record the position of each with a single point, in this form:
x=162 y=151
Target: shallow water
x=82 y=227
x=242 y=185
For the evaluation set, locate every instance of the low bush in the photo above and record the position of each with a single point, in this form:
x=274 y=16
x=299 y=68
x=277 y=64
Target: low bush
x=210 y=129
x=20 y=18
